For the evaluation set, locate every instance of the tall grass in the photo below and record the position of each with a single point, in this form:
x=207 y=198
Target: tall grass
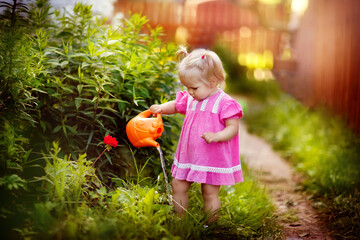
x=322 y=147
x=75 y=205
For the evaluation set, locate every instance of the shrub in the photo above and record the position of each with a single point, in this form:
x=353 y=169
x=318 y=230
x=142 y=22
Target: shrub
x=72 y=79
x=92 y=78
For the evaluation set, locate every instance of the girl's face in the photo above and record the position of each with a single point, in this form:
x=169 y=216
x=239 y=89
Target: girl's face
x=197 y=88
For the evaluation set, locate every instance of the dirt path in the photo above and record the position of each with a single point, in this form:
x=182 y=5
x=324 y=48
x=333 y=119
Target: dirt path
x=299 y=219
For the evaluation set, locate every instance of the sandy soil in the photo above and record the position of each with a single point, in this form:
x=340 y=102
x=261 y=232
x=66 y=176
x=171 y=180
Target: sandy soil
x=296 y=215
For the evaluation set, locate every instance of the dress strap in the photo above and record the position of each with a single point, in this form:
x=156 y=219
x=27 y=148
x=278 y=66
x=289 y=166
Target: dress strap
x=217 y=102
x=203 y=105
x=191 y=104
x=190 y=98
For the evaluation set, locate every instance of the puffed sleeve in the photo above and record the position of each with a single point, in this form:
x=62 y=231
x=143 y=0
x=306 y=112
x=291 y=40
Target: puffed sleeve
x=181 y=101
x=231 y=109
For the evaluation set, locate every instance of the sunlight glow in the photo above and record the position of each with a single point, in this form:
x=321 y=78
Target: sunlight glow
x=242 y=59
x=181 y=35
x=104 y=7
x=299 y=6
x=245 y=32
x=263 y=75
x=270 y=2
x=286 y=55
x=253 y=60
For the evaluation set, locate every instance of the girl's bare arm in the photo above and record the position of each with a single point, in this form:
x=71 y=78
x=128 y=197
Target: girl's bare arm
x=165 y=108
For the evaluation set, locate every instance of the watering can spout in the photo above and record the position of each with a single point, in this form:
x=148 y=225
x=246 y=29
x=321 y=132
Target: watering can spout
x=142 y=131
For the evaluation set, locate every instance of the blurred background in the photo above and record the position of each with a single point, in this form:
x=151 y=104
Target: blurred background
x=311 y=47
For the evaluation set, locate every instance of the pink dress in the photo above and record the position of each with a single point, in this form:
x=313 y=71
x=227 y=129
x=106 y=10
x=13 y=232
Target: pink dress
x=196 y=160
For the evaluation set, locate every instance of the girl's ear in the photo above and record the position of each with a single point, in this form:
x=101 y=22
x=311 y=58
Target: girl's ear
x=213 y=82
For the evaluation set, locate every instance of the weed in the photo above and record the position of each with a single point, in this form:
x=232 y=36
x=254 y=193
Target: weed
x=289 y=216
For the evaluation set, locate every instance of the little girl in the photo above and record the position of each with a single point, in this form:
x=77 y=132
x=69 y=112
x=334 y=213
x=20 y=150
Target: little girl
x=208 y=148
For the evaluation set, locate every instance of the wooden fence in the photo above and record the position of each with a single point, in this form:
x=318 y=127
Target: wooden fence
x=327 y=59
x=205 y=21
x=324 y=68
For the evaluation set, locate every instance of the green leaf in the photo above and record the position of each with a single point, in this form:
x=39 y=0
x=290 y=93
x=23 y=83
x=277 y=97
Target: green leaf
x=85 y=65
x=79 y=88
x=122 y=105
x=111 y=42
x=64 y=64
x=56 y=129
x=89 y=139
x=149 y=202
x=64 y=130
x=43 y=126
x=78 y=103
x=101 y=191
x=144 y=93
x=72 y=129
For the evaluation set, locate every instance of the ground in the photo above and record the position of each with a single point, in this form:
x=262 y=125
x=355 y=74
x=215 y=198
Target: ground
x=294 y=209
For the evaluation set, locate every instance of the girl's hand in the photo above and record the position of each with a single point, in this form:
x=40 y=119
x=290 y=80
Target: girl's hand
x=210 y=137
x=229 y=132
x=156 y=109
x=165 y=108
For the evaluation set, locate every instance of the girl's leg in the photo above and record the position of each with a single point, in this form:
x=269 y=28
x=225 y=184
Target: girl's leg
x=211 y=201
x=180 y=195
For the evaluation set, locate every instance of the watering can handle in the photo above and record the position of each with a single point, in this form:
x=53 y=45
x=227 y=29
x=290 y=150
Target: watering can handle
x=147 y=113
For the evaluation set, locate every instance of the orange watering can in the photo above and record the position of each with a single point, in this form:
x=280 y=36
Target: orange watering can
x=143 y=131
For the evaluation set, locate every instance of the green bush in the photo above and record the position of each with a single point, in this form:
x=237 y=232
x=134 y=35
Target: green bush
x=72 y=79
x=88 y=80
x=15 y=88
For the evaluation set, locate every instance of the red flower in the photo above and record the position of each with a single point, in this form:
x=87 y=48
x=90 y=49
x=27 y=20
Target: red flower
x=110 y=141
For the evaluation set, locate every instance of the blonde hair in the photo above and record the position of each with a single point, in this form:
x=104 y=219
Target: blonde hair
x=206 y=62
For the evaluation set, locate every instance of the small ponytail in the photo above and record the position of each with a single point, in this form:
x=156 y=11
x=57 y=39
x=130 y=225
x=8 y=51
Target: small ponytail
x=181 y=53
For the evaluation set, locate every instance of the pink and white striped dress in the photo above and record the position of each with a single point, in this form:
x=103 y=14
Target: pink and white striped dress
x=196 y=160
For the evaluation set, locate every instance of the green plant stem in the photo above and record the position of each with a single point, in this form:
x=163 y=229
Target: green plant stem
x=12 y=25
x=96 y=105
x=98 y=157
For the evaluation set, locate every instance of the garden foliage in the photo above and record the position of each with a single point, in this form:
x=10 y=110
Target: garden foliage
x=85 y=79
x=95 y=77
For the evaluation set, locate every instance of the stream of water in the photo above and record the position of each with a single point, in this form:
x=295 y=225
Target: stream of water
x=168 y=193
x=165 y=175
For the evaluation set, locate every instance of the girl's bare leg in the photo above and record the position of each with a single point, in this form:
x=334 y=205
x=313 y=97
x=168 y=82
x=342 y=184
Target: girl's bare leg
x=180 y=195
x=211 y=201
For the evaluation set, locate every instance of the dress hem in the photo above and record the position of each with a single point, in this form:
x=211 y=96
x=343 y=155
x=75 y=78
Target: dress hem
x=207 y=177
